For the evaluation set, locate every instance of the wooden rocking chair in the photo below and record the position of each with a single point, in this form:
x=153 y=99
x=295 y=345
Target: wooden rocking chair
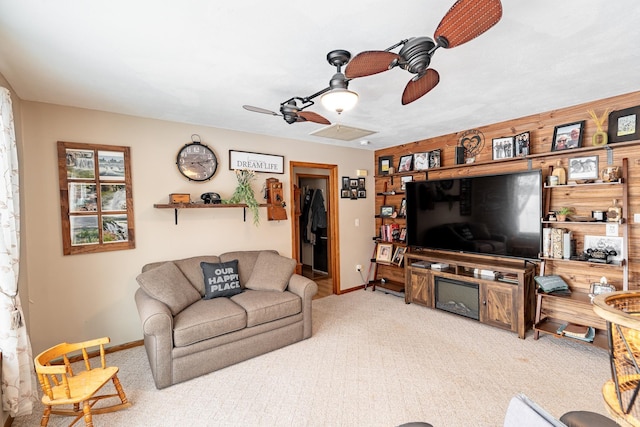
x=62 y=387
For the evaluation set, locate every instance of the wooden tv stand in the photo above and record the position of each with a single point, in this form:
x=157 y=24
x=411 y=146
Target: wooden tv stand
x=506 y=302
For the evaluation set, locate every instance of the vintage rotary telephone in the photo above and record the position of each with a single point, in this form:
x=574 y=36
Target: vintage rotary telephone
x=211 y=198
x=275 y=200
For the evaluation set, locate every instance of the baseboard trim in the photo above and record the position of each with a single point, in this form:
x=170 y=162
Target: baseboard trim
x=108 y=350
x=355 y=288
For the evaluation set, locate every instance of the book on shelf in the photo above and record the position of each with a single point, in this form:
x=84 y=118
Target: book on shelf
x=507 y=277
x=577 y=331
x=556 y=242
x=568 y=244
x=485 y=274
x=582 y=333
x=390 y=232
x=421 y=264
x=546 y=242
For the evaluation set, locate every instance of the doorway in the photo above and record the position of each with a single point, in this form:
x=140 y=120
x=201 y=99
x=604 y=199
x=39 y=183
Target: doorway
x=315 y=241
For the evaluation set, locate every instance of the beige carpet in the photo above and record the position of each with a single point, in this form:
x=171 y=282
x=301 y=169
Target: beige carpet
x=372 y=361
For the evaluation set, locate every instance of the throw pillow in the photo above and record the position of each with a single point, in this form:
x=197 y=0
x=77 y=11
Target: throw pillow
x=271 y=272
x=466 y=233
x=221 y=279
x=168 y=285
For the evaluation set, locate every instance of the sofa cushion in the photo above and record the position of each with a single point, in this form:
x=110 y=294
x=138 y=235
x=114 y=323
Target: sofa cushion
x=271 y=272
x=207 y=318
x=190 y=267
x=246 y=261
x=479 y=231
x=167 y=284
x=267 y=306
x=220 y=279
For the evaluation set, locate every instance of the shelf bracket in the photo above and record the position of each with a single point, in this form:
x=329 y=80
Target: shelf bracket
x=244 y=214
x=175 y=215
x=529 y=166
x=609 y=155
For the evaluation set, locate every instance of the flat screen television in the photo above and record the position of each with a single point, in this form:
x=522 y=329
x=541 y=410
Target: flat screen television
x=491 y=214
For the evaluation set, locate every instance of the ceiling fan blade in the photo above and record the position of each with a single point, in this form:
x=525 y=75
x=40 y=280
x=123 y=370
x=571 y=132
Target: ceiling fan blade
x=310 y=116
x=467 y=19
x=420 y=86
x=259 y=110
x=369 y=62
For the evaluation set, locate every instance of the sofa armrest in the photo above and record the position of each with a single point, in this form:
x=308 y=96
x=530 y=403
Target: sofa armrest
x=157 y=326
x=499 y=238
x=305 y=288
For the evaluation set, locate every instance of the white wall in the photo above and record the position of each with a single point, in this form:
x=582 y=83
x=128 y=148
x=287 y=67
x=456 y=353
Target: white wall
x=77 y=297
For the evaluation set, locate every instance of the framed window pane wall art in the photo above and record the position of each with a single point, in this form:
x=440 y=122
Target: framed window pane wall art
x=96 y=203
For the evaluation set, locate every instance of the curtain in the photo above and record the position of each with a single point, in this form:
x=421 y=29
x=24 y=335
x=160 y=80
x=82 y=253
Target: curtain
x=18 y=378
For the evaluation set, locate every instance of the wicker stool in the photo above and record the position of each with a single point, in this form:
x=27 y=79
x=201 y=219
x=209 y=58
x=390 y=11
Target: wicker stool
x=621 y=310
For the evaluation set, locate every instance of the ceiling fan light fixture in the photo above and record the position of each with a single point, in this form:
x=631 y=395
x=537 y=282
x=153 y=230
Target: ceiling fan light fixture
x=339 y=100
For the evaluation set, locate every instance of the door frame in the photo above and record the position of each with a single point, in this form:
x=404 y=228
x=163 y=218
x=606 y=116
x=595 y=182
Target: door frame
x=332 y=217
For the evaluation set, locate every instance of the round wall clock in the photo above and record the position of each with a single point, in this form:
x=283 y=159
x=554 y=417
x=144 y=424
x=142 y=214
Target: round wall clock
x=197 y=161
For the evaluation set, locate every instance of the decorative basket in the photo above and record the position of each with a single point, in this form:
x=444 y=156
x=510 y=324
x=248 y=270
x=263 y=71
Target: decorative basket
x=621 y=310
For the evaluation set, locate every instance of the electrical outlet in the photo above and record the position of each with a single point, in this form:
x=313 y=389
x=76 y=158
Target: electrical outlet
x=358 y=267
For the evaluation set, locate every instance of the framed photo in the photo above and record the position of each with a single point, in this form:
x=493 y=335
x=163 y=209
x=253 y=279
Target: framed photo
x=403 y=208
x=345 y=193
x=403 y=234
x=353 y=193
x=384 y=252
x=398 y=256
x=434 y=159
x=362 y=194
x=420 y=161
x=503 y=148
x=583 y=168
x=405 y=163
x=361 y=183
x=521 y=143
x=345 y=182
x=404 y=180
x=384 y=163
x=353 y=182
x=567 y=136
x=624 y=125
x=386 y=211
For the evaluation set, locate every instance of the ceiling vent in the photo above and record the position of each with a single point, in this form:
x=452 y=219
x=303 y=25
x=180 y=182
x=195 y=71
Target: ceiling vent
x=342 y=132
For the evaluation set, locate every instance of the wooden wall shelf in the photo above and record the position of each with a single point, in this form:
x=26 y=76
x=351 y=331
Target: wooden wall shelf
x=178 y=206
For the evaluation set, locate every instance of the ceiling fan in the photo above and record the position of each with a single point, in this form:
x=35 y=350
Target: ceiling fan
x=292 y=109
x=292 y=112
x=466 y=20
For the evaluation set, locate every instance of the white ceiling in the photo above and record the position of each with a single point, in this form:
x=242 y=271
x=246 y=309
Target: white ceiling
x=198 y=61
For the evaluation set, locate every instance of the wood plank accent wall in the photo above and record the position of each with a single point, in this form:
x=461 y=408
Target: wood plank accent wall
x=541 y=126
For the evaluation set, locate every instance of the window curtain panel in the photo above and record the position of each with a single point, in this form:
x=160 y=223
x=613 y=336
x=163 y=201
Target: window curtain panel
x=18 y=376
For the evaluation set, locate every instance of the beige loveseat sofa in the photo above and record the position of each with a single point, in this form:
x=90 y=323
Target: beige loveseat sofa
x=199 y=314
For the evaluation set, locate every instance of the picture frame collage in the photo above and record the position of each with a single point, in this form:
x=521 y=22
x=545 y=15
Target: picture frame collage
x=508 y=147
x=388 y=253
x=410 y=162
x=419 y=161
x=353 y=188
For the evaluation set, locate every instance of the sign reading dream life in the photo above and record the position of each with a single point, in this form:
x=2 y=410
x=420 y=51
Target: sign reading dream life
x=257 y=162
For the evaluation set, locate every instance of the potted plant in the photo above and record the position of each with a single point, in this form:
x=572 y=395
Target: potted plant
x=562 y=213
x=244 y=193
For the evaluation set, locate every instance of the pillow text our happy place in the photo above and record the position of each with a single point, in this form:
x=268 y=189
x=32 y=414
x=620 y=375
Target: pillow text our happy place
x=221 y=279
